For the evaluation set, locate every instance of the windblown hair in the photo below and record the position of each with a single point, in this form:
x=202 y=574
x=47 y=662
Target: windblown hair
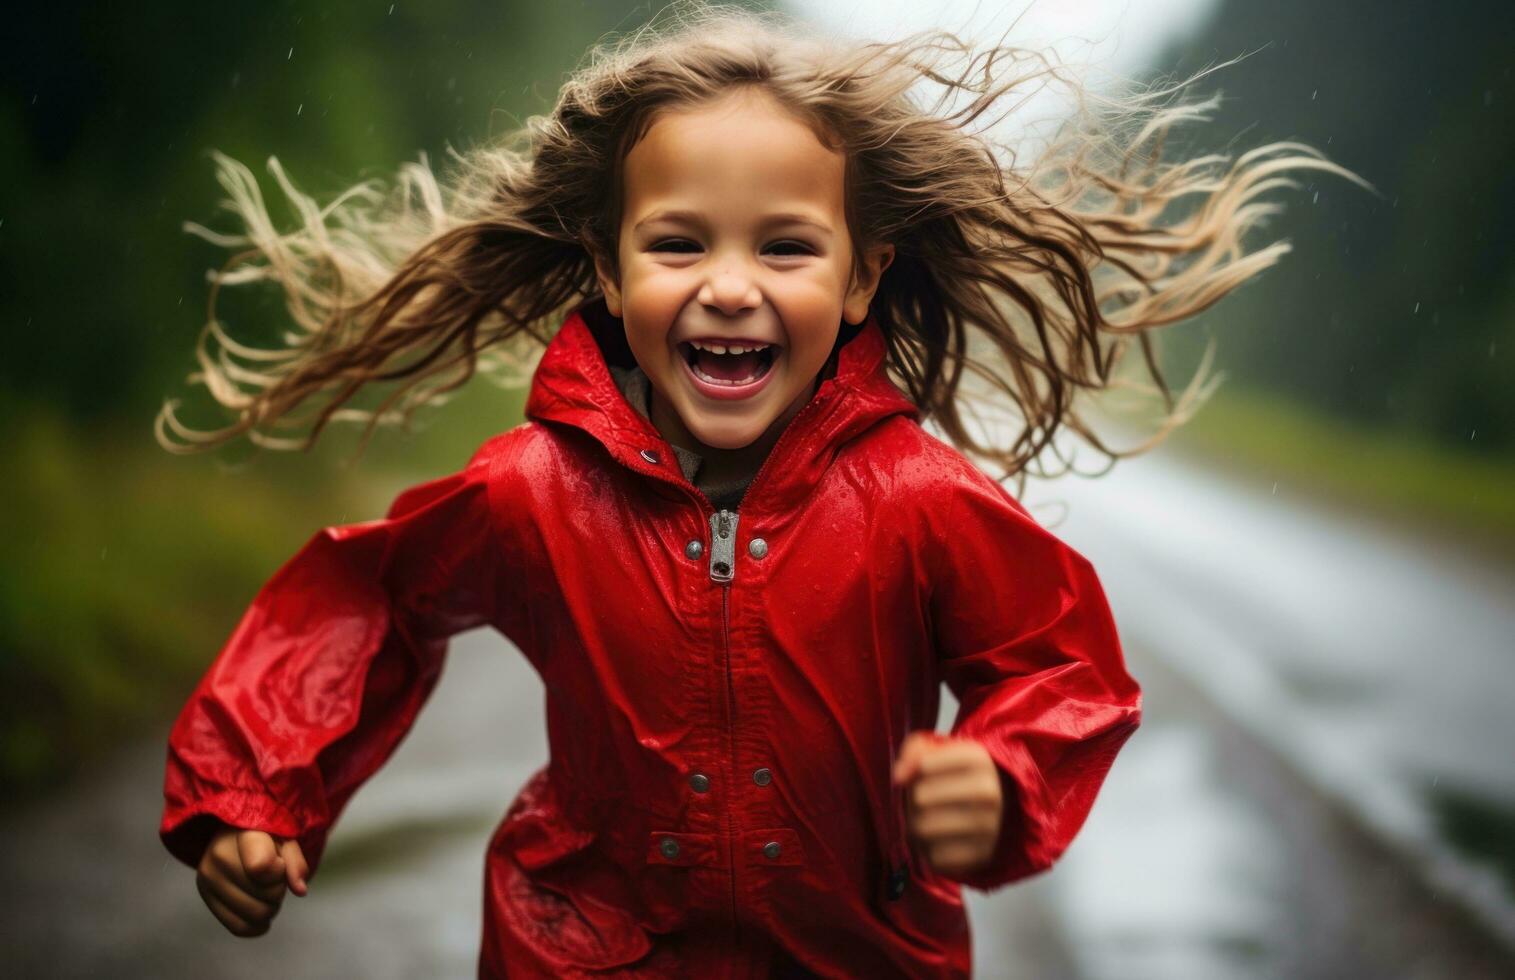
x=1018 y=281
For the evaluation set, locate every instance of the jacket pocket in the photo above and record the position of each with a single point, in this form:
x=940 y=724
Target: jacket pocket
x=555 y=897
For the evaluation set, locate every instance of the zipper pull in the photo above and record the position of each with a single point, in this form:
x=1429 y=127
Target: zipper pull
x=722 y=545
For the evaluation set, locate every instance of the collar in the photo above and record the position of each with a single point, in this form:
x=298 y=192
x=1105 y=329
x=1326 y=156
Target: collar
x=572 y=386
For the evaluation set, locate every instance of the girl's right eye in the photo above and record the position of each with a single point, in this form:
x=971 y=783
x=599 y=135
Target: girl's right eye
x=676 y=245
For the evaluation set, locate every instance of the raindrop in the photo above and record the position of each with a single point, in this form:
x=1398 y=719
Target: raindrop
x=1416 y=310
x=301 y=109
x=1274 y=491
x=1472 y=434
x=1314 y=94
x=391 y=9
x=1316 y=198
x=290 y=55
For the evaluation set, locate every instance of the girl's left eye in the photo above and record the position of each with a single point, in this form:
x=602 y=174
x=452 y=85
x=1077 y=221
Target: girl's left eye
x=800 y=248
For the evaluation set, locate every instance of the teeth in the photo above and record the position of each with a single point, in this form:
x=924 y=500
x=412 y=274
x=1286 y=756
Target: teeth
x=722 y=381
x=728 y=348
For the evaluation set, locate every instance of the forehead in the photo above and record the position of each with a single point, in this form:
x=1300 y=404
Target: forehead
x=744 y=149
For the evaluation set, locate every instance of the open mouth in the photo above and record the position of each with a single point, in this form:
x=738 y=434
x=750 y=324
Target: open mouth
x=728 y=366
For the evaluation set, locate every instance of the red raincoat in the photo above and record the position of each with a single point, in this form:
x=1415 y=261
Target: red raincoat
x=726 y=691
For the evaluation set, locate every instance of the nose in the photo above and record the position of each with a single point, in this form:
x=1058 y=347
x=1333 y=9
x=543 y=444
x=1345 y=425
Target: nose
x=731 y=289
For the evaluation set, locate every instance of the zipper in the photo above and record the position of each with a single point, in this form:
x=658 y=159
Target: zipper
x=730 y=743
x=723 y=545
x=723 y=526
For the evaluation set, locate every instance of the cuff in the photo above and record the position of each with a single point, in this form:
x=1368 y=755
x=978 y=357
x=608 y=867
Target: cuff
x=187 y=830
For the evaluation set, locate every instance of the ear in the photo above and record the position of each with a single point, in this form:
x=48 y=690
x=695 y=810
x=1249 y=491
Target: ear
x=609 y=284
x=860 y=293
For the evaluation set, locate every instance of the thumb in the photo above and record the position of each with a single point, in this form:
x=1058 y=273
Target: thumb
x=907 y=765
x=297 y=867
x=260 y=857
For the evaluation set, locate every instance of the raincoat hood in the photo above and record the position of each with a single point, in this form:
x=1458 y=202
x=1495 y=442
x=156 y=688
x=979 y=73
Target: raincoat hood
x=573 y=386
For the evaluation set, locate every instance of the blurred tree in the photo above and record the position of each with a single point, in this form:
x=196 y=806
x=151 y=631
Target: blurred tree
x=1397 y=311
x=107 y=114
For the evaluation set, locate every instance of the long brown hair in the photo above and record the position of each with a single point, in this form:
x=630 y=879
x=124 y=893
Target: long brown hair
x=1021 y=272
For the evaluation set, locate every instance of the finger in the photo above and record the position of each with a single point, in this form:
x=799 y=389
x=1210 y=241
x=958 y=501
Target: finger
x=260 y=857
x=298 y=869
x=957 y=855
x=978 y=786
x=249 y=907
x=950 y=755
x=944 y=822
x=912 y=750
x=237 y=925
x=226 y=865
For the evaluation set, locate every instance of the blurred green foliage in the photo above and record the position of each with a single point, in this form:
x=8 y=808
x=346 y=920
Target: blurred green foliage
x=1396 y=312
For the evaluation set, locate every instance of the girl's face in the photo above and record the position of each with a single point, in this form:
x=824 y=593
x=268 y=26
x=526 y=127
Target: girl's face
x=734 y=238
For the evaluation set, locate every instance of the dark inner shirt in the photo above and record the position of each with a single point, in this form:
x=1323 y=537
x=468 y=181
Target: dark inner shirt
x=638 y=392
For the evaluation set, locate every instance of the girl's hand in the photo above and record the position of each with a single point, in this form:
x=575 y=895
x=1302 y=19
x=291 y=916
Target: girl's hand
x=242 y=878
x=953 y=801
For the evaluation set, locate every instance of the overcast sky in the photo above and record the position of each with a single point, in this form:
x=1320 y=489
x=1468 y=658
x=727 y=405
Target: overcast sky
x=1100 y=39
x=1123 y=36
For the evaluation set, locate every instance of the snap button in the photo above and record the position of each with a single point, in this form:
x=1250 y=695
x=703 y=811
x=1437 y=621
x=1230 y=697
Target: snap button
x=897 y=883
x=762 y=777
x=699 y=782
x=757 y=547
x=694 y=549
x=669 y=848
x=651 y=456
x=771 y=850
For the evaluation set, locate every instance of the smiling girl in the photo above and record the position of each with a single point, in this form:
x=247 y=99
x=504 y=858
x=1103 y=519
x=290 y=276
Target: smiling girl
x=722 y=537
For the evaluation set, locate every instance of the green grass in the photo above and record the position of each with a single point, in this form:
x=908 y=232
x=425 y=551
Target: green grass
x=126 y=568
x=1462 y=495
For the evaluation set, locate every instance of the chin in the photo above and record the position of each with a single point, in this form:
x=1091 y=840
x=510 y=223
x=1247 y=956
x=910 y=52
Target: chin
x=728 y=436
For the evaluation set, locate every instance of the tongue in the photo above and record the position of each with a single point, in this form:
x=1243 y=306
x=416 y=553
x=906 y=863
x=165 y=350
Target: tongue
x=729 y=367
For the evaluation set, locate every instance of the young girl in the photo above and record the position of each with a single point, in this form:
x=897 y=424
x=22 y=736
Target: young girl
x=740 y=565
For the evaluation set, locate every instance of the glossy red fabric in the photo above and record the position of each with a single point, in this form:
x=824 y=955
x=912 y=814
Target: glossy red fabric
x=718 y=798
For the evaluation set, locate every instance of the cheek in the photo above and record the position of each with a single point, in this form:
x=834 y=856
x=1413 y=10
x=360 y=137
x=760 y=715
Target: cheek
x=652 y=300
x=811 y=312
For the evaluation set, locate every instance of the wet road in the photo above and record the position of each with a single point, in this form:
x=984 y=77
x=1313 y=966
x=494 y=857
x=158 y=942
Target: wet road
x=1209 y=854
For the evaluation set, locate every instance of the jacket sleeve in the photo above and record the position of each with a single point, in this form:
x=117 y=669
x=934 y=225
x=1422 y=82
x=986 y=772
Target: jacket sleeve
x=1027 y=645
x=328 y=667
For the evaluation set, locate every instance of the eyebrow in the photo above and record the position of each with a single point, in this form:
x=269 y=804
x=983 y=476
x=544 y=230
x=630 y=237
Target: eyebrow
x=780 y=218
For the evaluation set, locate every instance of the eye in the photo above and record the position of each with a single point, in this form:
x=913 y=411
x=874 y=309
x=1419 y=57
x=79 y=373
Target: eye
x=791 y=247
x=676 y=245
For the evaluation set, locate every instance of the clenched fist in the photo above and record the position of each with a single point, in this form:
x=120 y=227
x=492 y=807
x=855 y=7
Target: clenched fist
x=242 y=877
x=953 y=800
